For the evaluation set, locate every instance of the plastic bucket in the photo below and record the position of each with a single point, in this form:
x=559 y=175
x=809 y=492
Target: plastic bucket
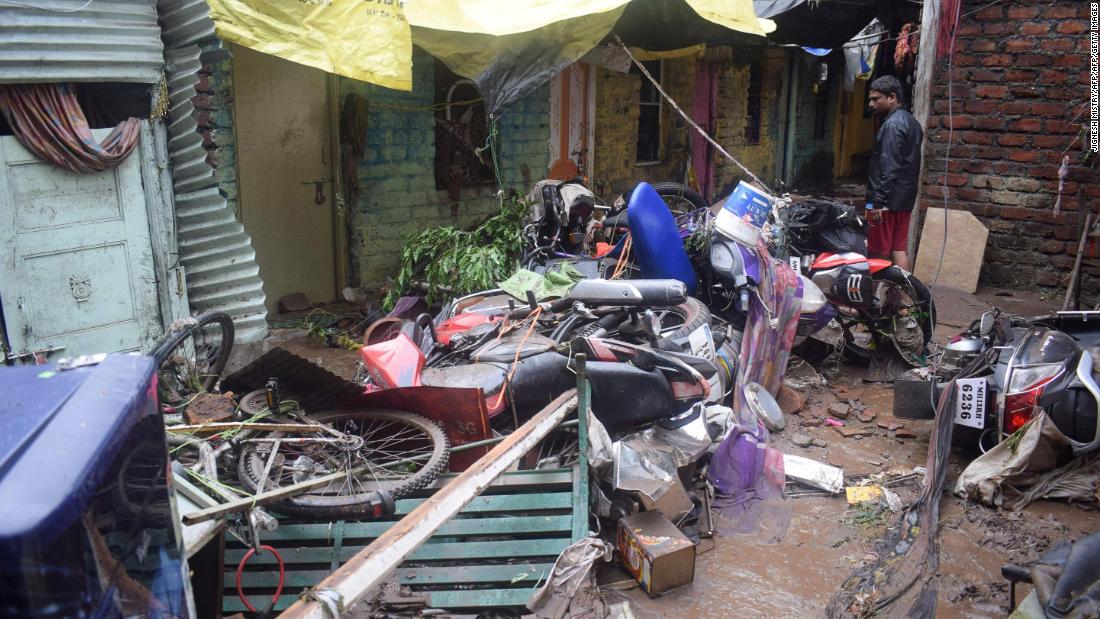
x=744 y=213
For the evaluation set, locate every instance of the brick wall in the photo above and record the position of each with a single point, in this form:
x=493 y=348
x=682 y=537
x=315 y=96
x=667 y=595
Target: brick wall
x=733 y=88
x=615 y=164
x=1020 y=77
x=615 y=168
x=213 y=103
x=398 y=195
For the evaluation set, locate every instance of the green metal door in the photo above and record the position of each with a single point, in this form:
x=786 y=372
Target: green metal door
x=76 y=265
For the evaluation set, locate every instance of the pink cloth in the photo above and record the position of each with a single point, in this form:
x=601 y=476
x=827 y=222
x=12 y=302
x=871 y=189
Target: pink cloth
x=704 y=100
x=48 y=121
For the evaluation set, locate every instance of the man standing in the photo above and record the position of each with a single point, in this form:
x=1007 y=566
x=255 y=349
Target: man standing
x=892 y=174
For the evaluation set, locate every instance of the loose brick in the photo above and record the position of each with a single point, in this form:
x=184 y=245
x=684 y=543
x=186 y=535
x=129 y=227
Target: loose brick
x=1057 y=45
x=1021 y=184
x=1048 y=141
x=1012 y=139
x=995 y=60
x=1023 y=12
x=996 y=28
x=987 y=91
x=1044 y=108
x=1054 y=11
x=979 y=75
x=1030 y=60
x=1025 y=156
x=1072 y=27
x=1053 y=78
x=989 y=123
x=1060 y=126
x=1033 y=28
x=1069 y=61
x=976 y=107
x=1027 y=92
x=1021 y=75
x=1015 y=108
x=1027 y=125
x=1020 y=45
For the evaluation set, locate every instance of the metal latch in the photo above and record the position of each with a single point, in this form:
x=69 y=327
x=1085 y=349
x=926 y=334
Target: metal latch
x=319 y=186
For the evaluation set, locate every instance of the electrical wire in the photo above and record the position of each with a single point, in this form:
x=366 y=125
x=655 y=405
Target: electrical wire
x=42 y=8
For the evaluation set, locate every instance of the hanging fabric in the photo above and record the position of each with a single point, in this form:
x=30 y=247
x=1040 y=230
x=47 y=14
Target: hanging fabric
x=49 y=122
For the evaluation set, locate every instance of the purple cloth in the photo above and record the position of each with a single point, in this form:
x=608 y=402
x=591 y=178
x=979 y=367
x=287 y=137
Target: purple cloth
x=748 y=480
x=408 y=308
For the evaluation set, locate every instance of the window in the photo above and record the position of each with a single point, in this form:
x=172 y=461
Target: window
x=649 y=115
x=461 y=128
x=754 y=109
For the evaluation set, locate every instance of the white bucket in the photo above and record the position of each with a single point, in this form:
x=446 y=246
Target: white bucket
x=744 y=213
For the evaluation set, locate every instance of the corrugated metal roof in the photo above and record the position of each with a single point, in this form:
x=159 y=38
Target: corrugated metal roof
x=213 y=246
x=185 y=22
x=107 y=41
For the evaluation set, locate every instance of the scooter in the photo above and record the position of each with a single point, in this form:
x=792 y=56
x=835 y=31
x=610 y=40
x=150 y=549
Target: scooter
x=1019 y=367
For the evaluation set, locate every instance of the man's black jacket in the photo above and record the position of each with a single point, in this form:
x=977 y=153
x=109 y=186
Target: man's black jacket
x=895 y=163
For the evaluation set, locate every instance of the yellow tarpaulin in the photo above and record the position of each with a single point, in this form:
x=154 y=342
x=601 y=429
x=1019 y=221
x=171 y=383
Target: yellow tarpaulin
x=508 y=48
x=368 y=40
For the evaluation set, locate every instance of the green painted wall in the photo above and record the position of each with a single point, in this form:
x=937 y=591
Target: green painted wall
x=397 y=194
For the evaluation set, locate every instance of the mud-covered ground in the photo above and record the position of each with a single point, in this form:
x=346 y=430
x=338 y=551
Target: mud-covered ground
x=827 y=538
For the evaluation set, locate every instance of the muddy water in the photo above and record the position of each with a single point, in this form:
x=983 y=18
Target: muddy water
x=739 y=577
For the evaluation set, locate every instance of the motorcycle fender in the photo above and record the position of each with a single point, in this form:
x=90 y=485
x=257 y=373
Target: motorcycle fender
x=877 y=264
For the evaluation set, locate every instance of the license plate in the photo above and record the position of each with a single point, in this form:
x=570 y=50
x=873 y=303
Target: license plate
x=796 y=263
x=702 y=342
x=970 y=402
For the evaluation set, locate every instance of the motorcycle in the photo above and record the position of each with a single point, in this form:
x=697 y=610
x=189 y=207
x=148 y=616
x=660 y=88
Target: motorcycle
x=477 y=342
x=1017 y=368
x=875 y=301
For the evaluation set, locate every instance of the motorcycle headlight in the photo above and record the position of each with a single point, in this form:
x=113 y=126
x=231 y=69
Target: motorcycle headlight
x=812 y=297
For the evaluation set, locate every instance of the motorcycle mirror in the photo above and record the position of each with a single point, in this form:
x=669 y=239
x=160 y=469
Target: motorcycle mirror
x=986 y=324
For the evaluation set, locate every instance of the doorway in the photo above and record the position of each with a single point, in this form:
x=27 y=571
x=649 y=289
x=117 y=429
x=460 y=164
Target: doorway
x=285 y=171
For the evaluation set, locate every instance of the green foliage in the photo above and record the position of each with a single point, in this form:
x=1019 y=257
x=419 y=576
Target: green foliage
x=462 y=261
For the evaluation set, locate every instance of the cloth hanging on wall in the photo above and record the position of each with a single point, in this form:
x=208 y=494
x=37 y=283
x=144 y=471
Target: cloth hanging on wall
x=48 y=121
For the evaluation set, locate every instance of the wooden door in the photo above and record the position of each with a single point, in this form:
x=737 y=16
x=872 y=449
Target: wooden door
x=76 y=264
x=283 y=140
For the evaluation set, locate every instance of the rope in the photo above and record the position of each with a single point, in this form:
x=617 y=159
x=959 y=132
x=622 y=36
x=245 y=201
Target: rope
x=534 y=317
x=240 y=570
x=689 y=119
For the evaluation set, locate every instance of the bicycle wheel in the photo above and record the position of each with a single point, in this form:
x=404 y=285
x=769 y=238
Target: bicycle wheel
x=191 y=358
x=402 y=452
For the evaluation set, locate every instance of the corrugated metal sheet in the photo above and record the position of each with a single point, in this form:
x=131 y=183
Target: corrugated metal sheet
x=213 y=246
x=185 y=22
x=107 y=41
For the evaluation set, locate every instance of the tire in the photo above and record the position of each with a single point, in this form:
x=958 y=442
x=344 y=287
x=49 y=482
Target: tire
x=211 y=336
x=694 y=314
x=681 y=192
x=858 y=355
x=353 y=505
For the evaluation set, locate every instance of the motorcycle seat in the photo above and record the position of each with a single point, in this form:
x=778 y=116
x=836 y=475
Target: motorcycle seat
x=657 y=244
x=504 y=350
x=485 y=376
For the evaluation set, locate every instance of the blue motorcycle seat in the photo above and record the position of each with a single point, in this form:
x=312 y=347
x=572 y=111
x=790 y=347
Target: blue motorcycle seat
x=657 y=245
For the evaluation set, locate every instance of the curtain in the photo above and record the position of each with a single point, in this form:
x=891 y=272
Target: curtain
x=48 y=121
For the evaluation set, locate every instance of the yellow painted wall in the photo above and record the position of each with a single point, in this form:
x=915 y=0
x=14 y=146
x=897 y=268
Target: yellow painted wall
x=852 y=133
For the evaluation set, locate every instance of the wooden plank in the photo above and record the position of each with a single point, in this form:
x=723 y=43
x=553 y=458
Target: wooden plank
x=445 y=551
x=922 y=100
x=506 y=525
x=412 y=576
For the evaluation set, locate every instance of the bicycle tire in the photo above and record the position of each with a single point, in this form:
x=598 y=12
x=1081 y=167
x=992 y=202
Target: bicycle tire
x=221 y=323
x=353 y=505
x=677 y=190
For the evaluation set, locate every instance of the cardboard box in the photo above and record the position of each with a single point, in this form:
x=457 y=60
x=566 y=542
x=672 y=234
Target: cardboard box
x=655 y=552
